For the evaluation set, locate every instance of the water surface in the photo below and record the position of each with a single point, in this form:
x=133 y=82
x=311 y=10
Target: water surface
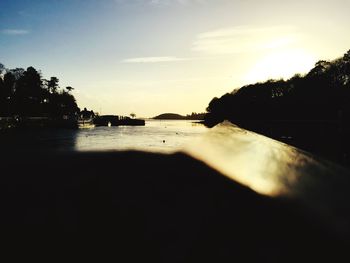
x=156 y=135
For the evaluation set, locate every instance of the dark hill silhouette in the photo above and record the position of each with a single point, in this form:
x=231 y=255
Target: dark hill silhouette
x=169 y=116
x=311 y=111
x=175 y=116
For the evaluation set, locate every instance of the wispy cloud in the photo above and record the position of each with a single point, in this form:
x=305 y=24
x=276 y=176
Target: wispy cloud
x=244 y=39
x=153 y=59
x=14 y=32
x=182 y=2
x=161 y=2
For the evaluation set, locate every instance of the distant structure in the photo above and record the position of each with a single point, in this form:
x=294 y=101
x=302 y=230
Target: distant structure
x=86 y=114
x=115 y=120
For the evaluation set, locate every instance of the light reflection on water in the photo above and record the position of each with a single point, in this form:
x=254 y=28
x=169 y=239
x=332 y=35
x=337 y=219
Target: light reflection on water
x=263 y=164
x=156 y=135
x=273 y=168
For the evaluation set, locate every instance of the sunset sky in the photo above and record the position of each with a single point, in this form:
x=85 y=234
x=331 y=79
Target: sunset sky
x=156 y=56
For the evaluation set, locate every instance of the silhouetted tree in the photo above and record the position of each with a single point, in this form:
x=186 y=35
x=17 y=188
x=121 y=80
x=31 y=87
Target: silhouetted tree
x=309 y=109
x=320 y=94
x=2 y=97
x=28 y=93
x=17 y=73
x=69 y=88
x=25 y=93
x=52 y=85
x=2 y=70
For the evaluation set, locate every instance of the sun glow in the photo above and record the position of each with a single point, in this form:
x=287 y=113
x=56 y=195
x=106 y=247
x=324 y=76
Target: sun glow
x=281 y=64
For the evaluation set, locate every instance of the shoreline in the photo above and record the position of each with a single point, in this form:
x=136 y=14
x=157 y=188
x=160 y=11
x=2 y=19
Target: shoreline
x=330 y=140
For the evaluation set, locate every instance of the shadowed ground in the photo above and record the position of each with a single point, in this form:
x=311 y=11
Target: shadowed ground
x=133 y=206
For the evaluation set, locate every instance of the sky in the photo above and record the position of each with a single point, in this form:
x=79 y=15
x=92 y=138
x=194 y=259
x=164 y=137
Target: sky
x=155 y=56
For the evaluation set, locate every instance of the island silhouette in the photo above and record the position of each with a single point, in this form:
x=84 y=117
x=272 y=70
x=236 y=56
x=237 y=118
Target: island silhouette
x=175 y=116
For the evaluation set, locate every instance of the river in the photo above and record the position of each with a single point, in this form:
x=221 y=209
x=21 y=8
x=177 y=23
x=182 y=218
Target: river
x=164 y=136
x=267 y=166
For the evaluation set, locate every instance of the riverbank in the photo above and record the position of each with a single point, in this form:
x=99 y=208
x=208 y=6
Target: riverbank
x=328 y=139
x=10 y=123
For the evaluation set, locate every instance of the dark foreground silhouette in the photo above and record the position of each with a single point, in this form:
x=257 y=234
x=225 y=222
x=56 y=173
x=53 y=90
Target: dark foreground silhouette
x=138 y=207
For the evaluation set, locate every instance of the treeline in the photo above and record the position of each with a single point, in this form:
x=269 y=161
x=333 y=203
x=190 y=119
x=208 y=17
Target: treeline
x=321 y=94
x=25 y=93
x=195 y=116
x=310 y=111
